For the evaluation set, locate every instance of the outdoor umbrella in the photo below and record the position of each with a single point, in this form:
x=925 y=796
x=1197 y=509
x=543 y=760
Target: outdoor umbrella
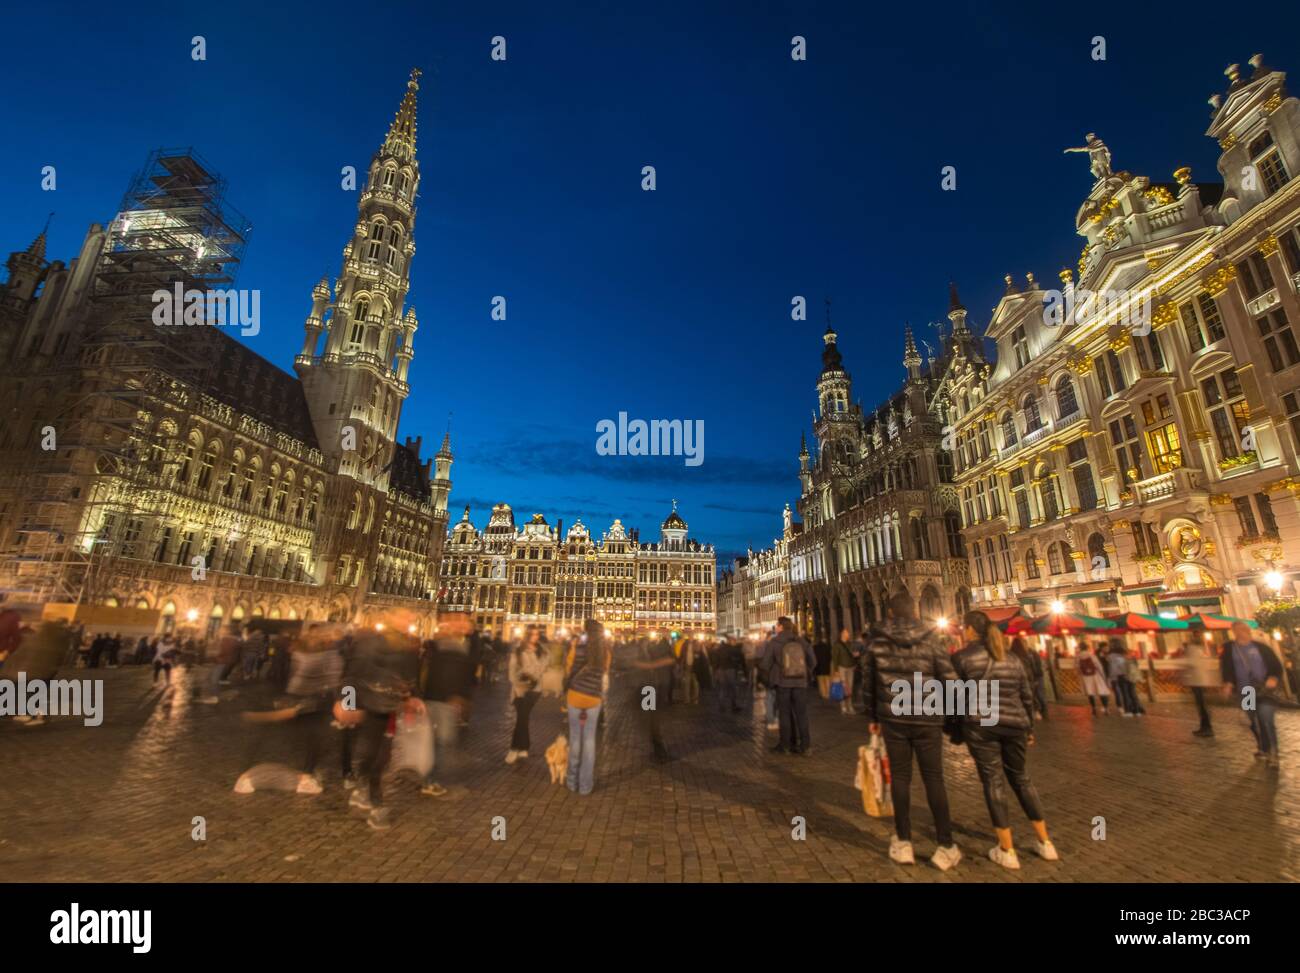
x=1137 y=622
x=1218 y=622
x=1070 y=624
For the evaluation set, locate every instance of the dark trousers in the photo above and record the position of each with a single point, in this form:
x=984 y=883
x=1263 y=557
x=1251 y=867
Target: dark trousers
x=373 y=736
x=313 y=726
x=1040 y=696
x=925 y=740
x=728 y=689
x=1126 y=697
x=523 y=710
x=1198 y=694
x=999 y=752
x=792 y=712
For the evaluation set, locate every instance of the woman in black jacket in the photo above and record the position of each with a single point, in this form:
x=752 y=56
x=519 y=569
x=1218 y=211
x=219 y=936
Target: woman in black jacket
x=999 y=749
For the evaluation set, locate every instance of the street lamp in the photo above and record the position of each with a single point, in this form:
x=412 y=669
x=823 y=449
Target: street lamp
x=1274 y=580
x=379 y=626
x=942 y=624
x=1058 y=607
x=192 y=615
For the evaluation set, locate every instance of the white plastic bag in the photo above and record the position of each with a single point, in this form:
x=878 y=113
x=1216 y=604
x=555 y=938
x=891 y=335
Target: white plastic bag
x=413 y=743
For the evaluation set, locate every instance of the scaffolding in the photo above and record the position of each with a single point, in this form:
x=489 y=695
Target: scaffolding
x=75 y=505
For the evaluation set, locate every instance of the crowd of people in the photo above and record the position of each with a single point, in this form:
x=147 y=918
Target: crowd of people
x=380 y=689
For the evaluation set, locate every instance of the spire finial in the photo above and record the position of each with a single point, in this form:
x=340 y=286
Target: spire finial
x=954 y=302
x=401 y=134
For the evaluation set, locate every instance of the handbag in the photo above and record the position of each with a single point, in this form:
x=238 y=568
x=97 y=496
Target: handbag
x=872 y=778
x=837 y=691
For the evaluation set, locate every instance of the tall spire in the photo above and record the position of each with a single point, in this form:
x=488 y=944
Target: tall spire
x=37 y=247
x=401 y=134
x=910 y=355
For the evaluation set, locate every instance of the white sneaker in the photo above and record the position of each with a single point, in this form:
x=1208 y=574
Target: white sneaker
x=244 y=785
x=945 y=858
x=774 y=726
x=511 y=756
x=307 y=784
x=901 y=851
x=208 y=700
x=1126 y=715
x=1046 y=850
x=360 y=799
x=1006 y=858
x=523 y=754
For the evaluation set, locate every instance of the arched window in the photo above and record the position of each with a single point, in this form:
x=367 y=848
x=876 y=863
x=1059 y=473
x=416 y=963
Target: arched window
x=1067 y=404
x=1009 y=437
x=1031 y=564
x=1097 y=549
x=354 y=518
x=1033 y=420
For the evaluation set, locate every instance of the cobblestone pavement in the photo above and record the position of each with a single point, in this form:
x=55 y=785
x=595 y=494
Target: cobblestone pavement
x=116 y=802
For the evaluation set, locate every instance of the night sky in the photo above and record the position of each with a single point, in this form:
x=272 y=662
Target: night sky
x=776 y=178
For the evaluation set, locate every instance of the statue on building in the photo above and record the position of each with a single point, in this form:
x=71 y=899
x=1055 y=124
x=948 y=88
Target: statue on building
x=1098 y=156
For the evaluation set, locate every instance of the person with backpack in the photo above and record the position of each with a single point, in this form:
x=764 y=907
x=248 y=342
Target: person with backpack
x=1252 y=671
x=789 y=661
x=1093 y=679
x=905 y=648
x=1000 y=750
x=585 y=670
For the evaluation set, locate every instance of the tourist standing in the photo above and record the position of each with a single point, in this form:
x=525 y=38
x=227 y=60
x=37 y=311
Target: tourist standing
x=585 y=669
x=731 y=662
x=164 y=658
x=905 y=648
x=822 y=655
x=445 y=682
x=1032 y=663
x=382 y=669
x=1201 y=672
x=1093 y=679
x=1126 y=699
x=527 y=665
x=844 y=665
x=789 y=661
x=1000 y=750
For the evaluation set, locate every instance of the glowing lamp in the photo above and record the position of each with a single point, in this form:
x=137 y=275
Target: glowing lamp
x=1274 y=580
x=192 y=615
x=1058 y=607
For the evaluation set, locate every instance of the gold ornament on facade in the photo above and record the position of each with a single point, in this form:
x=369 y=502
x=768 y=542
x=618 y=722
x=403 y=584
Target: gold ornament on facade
x=1079 y=364
x=1210 y=548
x=1220 y=500
x=1273 y=104
x=1159 y=195
x=1183 y=176
x=1195 y=267
x=1153 y=263
x=1121 y=527
x=1043 y=380
x=1217 y=282
x=1228 y=142
x=1077 y=555
x=1269 y=245
x=1120 y=341
x=1164 y=314
x=1067 y=276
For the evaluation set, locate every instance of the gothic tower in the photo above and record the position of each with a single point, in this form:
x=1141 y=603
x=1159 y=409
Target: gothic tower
x=356 y=383
x=838 y=423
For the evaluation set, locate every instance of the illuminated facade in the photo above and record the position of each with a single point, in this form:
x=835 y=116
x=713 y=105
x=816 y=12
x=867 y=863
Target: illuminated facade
x=1140 y=453
x=191 y=478
x=755 y=591
x=541 y=575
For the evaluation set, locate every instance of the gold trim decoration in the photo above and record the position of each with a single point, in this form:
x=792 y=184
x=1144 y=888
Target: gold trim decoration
x=1077 y=555
x=1164 y=314
x=1210 y=547
x=1286 y=483
x=1121 y=527
x=1269 y=245
x=1274 y=102
x=1193 y=268
x=1043 y=380
x=1159 y=195
x=1220 y=500
x=1217 y=282
x=1079 y=364
x=1153 y=263
x=1228 y=142
x=1121 y=341
x=1183 y=175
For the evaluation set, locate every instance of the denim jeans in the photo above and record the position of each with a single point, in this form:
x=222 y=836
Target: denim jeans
x=1263 y=725
x=582 y=749
x=444 y=721
x=771 y=705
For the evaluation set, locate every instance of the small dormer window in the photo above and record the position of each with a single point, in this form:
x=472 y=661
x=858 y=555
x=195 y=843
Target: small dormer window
x=1020 y=343
x=1267 y=161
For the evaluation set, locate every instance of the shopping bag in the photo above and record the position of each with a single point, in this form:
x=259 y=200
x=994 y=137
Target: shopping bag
x=872 y=779
x=413 y=743
x=837 y=691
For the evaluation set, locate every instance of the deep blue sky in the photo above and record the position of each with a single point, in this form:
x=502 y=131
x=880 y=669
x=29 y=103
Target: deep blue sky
x=775 y=178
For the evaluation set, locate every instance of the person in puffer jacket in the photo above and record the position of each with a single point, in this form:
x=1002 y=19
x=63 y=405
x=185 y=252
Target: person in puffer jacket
x=999 y=749
x=902 y=650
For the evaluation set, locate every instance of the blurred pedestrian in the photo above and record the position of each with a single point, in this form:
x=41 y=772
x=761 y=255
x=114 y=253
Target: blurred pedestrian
x=164 y=658
x=1200 y=672
x=843 y=664
x=382 y=671
x=1093 y=679
x=527 y=665
x=1032 y=663
x=446 y=679
x=656 y=665
x=1252 y=672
